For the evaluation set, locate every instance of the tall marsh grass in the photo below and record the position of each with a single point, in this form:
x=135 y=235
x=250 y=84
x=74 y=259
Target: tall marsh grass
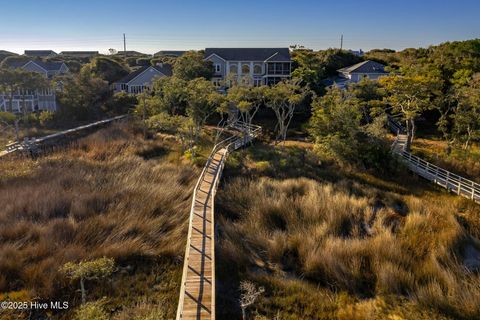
x=102 y=198
x=383 y=252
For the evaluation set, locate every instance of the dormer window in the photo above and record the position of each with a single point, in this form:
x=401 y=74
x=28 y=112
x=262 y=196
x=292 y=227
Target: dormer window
x=217 y=68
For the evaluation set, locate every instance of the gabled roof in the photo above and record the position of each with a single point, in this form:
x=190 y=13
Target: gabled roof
x=364 y=67
x=47 y=66
x=250 y=54
x=173 y=53
x=39 y=53
x=165 y=69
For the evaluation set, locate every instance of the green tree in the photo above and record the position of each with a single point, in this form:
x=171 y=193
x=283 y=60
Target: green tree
x=410 y=96
x=335 y=123
x=29 y=82
x=283 y=98
x=192 y=65
x=182 y=126
x=337 y=129
x=82 y=95
x=107 y=69
x=9 y=83
x=88 y=270
x=247 y=100
x=172 y=95
x=120 y=103
x=202 y=101
x=466 y=119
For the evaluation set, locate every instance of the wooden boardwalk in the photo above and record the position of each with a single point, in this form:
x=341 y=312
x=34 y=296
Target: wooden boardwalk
x=197 y=292
x=32 y=144
x=452 y=182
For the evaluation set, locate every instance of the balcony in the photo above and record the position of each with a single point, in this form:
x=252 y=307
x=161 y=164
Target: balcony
x=278 y=68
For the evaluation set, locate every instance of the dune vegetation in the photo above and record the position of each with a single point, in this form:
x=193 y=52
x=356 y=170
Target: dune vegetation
x=113 y=195
x=329 y=243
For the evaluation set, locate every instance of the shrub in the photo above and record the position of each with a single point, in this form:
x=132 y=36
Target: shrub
x=46 y=117
x=7 y=117
x=92 y=311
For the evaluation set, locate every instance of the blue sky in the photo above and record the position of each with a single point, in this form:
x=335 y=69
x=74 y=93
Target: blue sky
x=186 y=24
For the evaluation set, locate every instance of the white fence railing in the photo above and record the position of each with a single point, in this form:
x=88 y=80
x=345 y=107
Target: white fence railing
x=450 y=181
x=230 y=144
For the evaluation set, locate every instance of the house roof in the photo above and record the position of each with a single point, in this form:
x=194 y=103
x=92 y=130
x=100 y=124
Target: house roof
x=48 y=66
x=174 y=53
x=250 y=54
x=364 y=67
x=39 y=53
x=75 y=53
x=165 y=69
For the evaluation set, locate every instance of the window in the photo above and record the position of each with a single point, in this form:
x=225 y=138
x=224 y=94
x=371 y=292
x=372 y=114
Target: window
x=233 y=68
x=257 y=82
x=257 y=69
x=216 y=82
x=218 y=68
x=245 y=69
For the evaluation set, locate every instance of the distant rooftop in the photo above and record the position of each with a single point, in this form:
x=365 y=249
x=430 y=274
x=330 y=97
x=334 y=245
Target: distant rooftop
x=250 y=54
x=368 y=66
x=40 y=53
x=164 y=68
x=79 y=53
x=48 y=66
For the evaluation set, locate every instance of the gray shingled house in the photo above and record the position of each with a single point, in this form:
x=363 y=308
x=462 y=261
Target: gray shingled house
x=137 y=81
x=366 y=69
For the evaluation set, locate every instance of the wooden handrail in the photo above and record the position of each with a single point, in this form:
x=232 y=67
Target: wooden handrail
x=29 y=143
x=444 y=178
x=227 y=145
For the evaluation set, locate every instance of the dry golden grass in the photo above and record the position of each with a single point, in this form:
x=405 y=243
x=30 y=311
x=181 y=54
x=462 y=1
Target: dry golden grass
x=377 y=249
x=458 y=161
x=113 y=196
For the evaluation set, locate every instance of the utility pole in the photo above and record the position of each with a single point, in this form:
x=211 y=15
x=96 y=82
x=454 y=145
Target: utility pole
x=124 y=46
x=341 y=42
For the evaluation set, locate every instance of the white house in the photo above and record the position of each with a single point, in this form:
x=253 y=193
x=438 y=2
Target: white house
x=261 y=65
x=366 y=69
x=137 y=81
x=37 y=100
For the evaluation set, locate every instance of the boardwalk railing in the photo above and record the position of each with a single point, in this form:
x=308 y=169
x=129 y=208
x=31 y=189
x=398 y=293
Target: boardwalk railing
x=450 y=181
x=204 y=302
x=32 y=143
